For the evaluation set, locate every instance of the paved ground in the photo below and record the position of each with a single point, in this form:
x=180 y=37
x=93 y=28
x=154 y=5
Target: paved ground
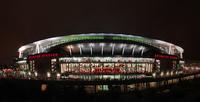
x=29 y=91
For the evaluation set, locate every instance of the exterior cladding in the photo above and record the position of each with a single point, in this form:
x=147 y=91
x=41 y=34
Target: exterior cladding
x=99 y=56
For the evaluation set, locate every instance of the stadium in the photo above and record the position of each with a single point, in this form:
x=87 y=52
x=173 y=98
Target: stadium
x=99 y=56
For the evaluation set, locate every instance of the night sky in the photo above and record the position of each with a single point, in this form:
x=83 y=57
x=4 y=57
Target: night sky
x=26 y=21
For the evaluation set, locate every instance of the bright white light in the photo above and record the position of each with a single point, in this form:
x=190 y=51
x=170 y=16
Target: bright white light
x=131 y=46
x=102 y=44
x=24 y=72
x=161 y=74
x=121 y=45
x=111 y=44
x=24 y=48
x=70 y=47
x=167 y=73
x=58 y=75
x=171 y=73
x=29 y=73
x=80 y=45
x=141 y=47
x=36 y=74
x=48 y=74
x=154 y=75
x=24 y=61
x=91 y=44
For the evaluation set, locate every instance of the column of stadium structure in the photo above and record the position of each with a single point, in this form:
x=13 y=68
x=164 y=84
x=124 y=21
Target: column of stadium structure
x=80 y=48
x=37 y=48
x=142 y=51
x=91 y=49
x=170 y=48
x=123 y=47
x=132 y=53
x=113 y=48
x=133 y=49
x=102 y=48
x=70 y=49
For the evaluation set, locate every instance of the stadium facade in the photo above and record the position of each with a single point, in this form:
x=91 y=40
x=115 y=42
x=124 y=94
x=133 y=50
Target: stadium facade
x=100 y=56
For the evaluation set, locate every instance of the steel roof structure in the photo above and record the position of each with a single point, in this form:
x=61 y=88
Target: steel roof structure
x=43 y=46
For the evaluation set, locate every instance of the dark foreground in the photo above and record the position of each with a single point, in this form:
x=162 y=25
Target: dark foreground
x=30 y=91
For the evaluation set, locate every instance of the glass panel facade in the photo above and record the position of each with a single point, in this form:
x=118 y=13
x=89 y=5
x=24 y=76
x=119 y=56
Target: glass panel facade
x=106 y=68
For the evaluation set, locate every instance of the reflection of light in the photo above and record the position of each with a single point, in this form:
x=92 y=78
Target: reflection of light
x=48 y=74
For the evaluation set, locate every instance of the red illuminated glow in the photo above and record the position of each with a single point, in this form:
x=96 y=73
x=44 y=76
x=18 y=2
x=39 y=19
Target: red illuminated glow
x=102 y=70
x=43 y=56
x=107 y=70
x=165 y=56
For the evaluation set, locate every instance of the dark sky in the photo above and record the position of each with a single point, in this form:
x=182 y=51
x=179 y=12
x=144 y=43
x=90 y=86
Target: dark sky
x=25 y=21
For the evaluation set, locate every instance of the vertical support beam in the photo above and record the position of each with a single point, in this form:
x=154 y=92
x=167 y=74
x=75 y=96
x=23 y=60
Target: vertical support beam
x=123 y=49
x=113 y=48
x=90 y=71
x=142 y=51
x=70 y=50
x=102 y=48
x=133 y=50
x=20 y=54
x=80 y=48
x=37 y=48
x=170 y=48
x=181 y=55
x=79 y=68
x=91 y=50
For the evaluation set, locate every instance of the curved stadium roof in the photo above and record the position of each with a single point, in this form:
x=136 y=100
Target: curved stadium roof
x=44 y=46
